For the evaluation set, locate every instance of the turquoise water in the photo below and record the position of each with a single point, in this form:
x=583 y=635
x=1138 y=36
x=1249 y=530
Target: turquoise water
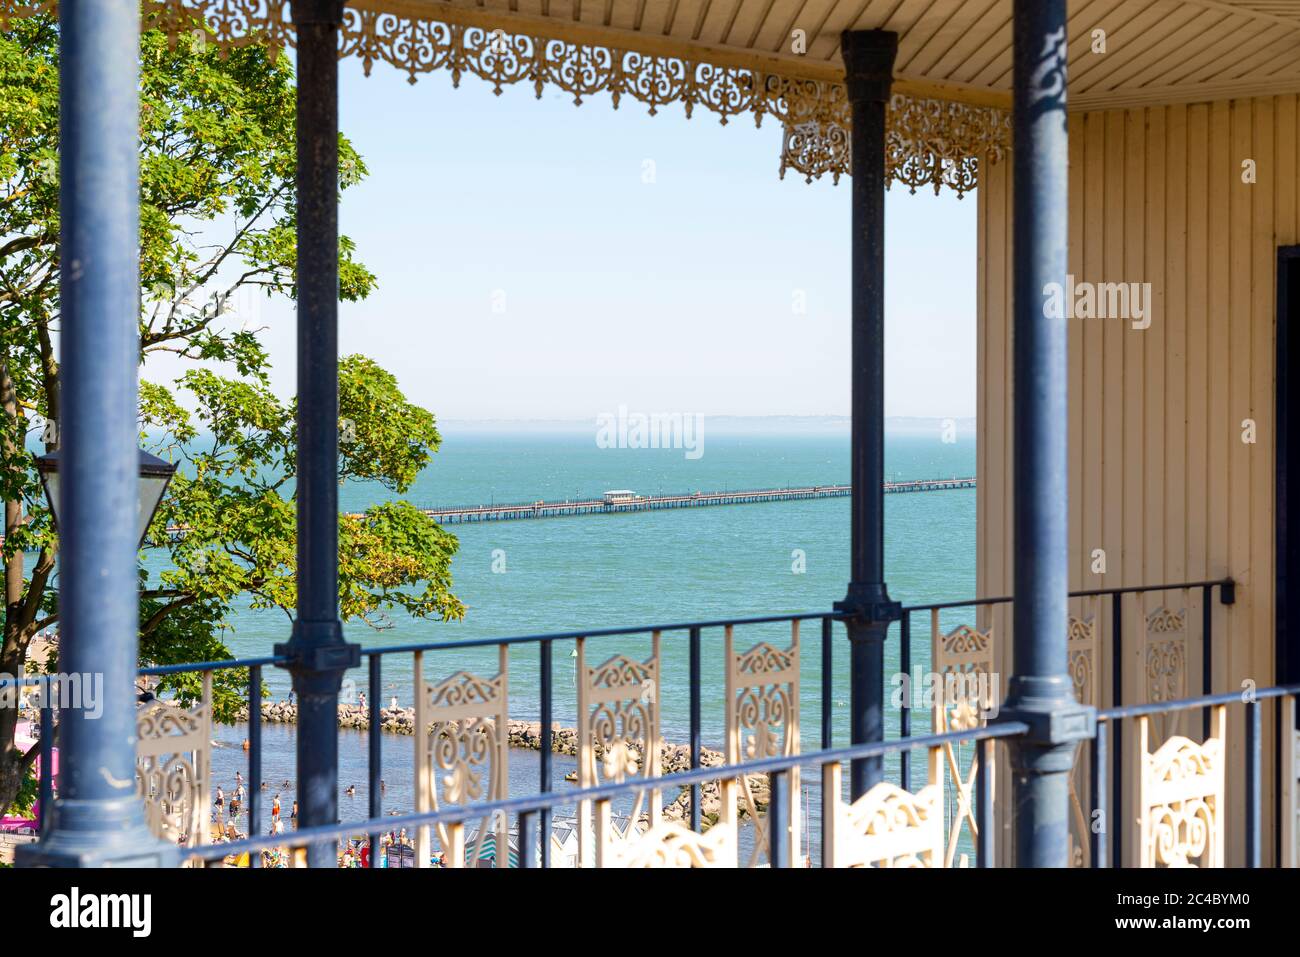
x=657 y=567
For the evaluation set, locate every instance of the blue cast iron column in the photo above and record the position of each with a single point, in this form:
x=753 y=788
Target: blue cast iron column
x=1040 y=691
x=319 y=655
x=868 y=66
x=98 y=820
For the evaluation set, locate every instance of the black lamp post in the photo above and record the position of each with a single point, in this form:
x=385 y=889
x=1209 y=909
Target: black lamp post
x=155 y=474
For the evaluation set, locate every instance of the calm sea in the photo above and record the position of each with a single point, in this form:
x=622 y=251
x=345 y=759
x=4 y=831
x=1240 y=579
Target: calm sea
x=656 y=567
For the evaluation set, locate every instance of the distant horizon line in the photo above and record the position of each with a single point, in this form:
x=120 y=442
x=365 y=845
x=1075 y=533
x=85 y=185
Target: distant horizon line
x=723 y=424
x=836 y=419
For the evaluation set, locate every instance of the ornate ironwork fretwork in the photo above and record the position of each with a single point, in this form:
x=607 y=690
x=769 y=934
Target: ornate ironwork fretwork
x=1165 y=660
x=887 y=826
x=173 y=762
x=461 y=755
x=763 y=722
x=1082 y=649
x=618 y=739
x=1181 y=794
x=668 y=844
x=963 y=660
x=929 y=142
x=1289 y=772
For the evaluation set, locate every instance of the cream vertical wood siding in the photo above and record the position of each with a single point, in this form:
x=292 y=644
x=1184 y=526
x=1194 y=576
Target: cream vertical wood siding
x=1159 y=476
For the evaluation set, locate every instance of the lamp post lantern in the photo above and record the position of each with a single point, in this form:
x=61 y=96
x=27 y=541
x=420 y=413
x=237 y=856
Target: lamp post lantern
x=155 y=475
x=84 y=828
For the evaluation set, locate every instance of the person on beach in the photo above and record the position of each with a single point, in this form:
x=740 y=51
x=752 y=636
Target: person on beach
x=293 y=814
x=362 y=699
x=220 y=803
x=275 y=808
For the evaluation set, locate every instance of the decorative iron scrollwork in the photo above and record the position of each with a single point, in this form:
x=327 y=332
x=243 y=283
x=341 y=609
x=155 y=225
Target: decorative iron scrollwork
x=887 y=826
x=762 y=690
x=1165 y=660
x=173 y=764
x=929 y=142
x=1081 y=645
x=1181 y=797
x=461 y=755
x=963 y=659
x=671 y=845
x=618 y=740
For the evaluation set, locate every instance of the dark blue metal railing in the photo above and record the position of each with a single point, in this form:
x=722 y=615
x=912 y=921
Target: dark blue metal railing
x=1253 y=786
x=1226 y=596
x=534 y=813
x=693 y=633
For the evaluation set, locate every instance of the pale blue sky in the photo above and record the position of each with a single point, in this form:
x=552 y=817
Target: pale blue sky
x=676 y=295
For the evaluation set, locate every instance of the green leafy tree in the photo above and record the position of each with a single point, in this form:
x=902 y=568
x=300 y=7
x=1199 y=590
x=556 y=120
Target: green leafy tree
x=217 y=223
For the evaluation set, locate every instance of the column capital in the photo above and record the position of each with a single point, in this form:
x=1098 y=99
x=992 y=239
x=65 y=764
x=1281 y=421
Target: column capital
x=329 y=12
x=868 y=63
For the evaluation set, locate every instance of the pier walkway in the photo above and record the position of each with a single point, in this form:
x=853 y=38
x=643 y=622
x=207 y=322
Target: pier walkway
x=627 y=501
x=639 y=503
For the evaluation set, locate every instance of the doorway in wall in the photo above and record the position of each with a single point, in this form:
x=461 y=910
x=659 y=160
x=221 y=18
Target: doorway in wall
x=1287 y=464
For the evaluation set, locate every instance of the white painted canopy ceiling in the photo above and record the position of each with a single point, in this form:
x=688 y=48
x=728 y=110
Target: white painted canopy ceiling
x=781 y=58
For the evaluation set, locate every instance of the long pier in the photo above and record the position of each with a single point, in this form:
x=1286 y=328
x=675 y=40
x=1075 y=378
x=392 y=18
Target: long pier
x=457 y=515
x=600 y=506
x=631 y=502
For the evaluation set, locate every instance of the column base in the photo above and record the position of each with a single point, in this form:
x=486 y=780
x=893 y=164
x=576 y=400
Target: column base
x=133 y=846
